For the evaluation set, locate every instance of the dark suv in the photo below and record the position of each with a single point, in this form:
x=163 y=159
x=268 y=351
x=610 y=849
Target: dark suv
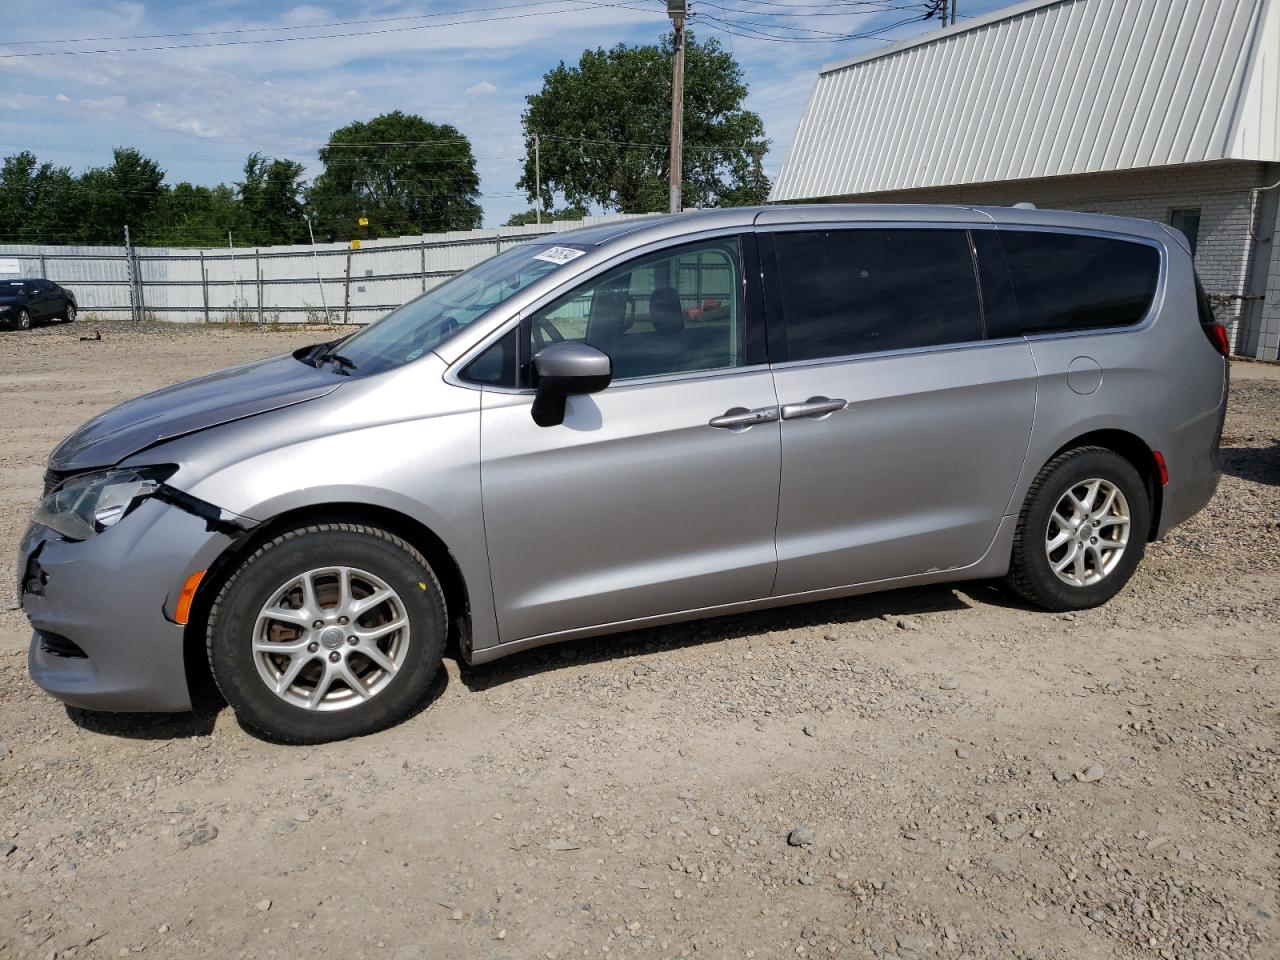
x=24 y=302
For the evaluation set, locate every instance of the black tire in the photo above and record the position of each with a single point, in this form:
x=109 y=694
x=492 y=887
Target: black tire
x=1031 y=575
x=24 y=319
x=69 y=314
x=232 y=619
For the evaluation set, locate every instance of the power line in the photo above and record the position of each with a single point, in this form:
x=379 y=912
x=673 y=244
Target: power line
x=862 y=9
x=291 y=26
x=749 y=31
x=326 y=36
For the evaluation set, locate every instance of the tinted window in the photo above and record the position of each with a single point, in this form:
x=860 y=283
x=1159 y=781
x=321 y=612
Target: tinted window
x=1187 y=220
x=1070 y=282
x=858 y=291
x=677 y=311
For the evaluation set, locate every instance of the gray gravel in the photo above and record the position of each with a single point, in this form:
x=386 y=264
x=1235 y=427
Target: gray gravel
x=640 y=796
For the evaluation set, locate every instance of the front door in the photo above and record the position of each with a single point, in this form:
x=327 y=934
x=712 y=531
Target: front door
x=637 y=505
x=903 y=427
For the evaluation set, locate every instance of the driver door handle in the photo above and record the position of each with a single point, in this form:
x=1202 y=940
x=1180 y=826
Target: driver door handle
x=739 y=418
x=813 y=407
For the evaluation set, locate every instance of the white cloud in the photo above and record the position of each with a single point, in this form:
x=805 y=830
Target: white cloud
x=200 y=110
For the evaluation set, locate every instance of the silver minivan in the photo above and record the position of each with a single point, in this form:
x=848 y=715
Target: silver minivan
x=630 y=425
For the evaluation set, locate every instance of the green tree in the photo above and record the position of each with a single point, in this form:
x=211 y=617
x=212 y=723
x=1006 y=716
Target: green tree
x=188 y=215
x=406 y=174
x=37 y=200
x=604 y=124
x=110 y=197
x=271 y=201
x=526 y=217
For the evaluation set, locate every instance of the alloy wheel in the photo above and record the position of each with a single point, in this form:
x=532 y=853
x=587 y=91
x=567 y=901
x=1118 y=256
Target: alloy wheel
x=331 y=638
x=1088 y=532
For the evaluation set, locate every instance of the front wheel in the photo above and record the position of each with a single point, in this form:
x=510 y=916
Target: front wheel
x=327 y=632
x=1082 y=530
x=24 y=319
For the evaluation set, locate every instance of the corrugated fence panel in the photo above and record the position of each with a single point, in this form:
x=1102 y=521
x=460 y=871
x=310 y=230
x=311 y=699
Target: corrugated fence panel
x=1045 y=88
x=288 y=284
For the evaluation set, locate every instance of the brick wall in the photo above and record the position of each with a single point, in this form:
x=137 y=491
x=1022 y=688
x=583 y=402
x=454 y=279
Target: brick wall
x=1221 y=191
x=1268 y=323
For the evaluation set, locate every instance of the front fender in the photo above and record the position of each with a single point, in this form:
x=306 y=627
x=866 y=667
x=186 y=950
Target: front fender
x=427 y=470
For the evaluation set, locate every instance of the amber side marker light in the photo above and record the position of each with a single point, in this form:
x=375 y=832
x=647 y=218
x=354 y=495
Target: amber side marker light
x=183 y=613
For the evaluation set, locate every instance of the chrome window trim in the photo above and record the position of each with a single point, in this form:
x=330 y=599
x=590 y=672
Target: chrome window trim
x=452 y=375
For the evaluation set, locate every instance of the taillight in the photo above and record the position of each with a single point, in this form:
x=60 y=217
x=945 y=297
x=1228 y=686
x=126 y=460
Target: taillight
x=1217 y=335
x=1214 y=330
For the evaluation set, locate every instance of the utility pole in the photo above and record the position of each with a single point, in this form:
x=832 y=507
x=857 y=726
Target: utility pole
x=537 y=177
x=677 y=10
x=953 y=11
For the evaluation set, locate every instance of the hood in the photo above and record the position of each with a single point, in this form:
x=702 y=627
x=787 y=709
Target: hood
x=190 y=406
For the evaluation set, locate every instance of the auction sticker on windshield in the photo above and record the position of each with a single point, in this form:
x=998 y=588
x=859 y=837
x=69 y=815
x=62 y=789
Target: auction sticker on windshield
x=559 y=255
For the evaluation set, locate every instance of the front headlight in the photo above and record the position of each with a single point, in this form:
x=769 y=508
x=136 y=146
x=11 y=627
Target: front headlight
x=84 y=505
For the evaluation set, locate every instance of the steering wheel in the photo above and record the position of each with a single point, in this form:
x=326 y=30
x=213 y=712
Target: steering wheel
x=545 y=332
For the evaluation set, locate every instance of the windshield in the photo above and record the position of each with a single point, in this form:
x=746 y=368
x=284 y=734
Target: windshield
x=422 y=324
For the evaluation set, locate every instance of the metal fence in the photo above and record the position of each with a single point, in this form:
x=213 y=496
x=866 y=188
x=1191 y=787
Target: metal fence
x=290 y=284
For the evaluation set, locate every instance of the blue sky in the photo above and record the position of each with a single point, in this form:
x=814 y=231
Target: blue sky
x=198 y=110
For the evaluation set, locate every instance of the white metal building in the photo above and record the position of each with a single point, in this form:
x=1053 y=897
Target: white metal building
x=1163 y=109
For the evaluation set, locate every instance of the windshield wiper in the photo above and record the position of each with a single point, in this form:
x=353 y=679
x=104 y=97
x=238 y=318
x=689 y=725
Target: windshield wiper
x=344 y=364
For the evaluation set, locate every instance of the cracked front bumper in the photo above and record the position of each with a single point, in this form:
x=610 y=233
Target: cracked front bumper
x=103 y=608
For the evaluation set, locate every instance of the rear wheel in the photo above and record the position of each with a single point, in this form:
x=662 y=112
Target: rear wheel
x=327 y=632
x=1082 y=530
x=69 y=315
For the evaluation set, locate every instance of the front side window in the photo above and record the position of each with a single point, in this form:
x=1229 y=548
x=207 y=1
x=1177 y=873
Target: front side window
x=853 y=291
x=1064 y=281
x=676 y=311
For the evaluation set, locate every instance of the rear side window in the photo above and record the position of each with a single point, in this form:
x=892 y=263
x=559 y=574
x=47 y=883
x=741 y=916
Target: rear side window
x=1065 y=282
x=847 y=292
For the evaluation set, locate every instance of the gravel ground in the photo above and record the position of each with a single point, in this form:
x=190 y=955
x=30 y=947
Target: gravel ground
x=938 y=772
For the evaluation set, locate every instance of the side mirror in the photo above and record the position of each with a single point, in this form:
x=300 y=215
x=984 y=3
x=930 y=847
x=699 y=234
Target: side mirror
x=567 y=370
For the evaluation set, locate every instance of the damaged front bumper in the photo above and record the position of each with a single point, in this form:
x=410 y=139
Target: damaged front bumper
x=104 y=608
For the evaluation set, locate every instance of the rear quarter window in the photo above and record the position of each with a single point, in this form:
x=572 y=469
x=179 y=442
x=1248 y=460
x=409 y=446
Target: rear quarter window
x=1065 y=282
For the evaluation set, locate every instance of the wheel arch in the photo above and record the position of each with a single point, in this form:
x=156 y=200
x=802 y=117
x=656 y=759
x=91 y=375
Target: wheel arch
x=423 y=539
x=1134 y=449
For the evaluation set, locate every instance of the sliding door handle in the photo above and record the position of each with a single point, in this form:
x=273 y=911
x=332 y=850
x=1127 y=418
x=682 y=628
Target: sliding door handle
x=739 y=418
x=813 y=407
